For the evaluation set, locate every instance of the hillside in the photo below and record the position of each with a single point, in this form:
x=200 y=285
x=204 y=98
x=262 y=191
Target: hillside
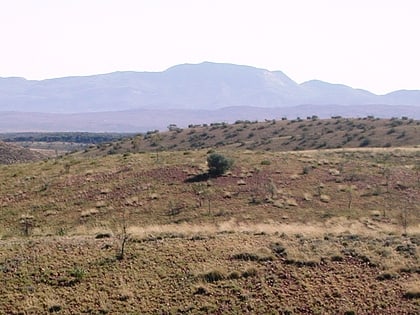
x=10 y=154
x=303 y=232
x=275 y=135
x=316 y=216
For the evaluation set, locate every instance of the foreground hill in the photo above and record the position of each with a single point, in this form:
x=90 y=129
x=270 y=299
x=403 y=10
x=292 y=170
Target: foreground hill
x=304 y=232
x=139 y=226
x=275 y=135
x=10 y=154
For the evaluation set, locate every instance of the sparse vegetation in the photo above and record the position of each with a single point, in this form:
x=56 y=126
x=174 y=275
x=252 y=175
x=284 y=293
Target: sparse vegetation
x=283 y=135
x=123 y=234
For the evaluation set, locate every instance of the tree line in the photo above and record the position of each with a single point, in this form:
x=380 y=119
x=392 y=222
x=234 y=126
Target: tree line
x=74 y=137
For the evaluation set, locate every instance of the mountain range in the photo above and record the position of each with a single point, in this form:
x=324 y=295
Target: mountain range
x=188 y=93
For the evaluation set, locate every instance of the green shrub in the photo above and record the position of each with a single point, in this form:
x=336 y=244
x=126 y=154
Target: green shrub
x=77 y=273
x=218 y=164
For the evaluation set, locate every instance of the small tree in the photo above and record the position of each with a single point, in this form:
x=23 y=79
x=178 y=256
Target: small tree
x=218 y=164
x=123 y=236
x=175 y=208
x=350 y=196
x=207 y=194
x=27 y=223
x=155 y=141
x=404 y=219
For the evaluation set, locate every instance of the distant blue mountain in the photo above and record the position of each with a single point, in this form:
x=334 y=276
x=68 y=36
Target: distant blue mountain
x=205 y=86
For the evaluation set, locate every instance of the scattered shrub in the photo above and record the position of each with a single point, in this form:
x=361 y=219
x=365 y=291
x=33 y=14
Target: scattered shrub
x=218 y=164
x=103 y=235
x=278 y=249
x=77 y=273
x=251 y=272
x=201 y=291
x=306 y=169
x=386 y=276
x=251 y=257
x=234 y=275
x=364 y=143
x=337 y=258
x=54 y=308
x=213 y=276
x=246 y=256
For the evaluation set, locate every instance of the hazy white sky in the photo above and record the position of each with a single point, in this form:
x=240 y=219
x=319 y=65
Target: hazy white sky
x=371 y=44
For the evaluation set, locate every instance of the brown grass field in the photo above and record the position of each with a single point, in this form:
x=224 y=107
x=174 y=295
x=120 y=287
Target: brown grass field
x=332 y=231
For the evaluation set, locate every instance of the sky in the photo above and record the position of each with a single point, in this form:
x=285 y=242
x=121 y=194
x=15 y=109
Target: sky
x=369 y=44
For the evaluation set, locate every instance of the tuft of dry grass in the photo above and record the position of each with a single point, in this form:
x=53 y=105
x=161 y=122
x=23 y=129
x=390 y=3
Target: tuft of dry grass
x=412 y=290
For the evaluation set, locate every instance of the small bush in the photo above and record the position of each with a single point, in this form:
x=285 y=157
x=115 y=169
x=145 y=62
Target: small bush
x=246 y=256
x=77 y=273
x=218 y=164
x=364 y=143
x=103 y=235
x=234 y=275
x=412 y=294
x=213 y=276
x=306 y=169
x=251 y=272
x=278 y=249
x=201 y=291
x=337 y=258
x=386 y=276
x=265 y=162
x=54 y=308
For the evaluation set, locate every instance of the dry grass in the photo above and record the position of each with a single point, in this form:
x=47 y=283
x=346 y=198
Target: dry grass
x=335 y=226
x=412 y=289
x=229 y=249
x=187 y=274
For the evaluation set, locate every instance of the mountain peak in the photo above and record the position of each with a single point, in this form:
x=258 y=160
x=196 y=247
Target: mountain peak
x=206 y=85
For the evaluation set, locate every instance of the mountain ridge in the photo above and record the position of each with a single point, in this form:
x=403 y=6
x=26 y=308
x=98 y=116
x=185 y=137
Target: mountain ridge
x=188 y=86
